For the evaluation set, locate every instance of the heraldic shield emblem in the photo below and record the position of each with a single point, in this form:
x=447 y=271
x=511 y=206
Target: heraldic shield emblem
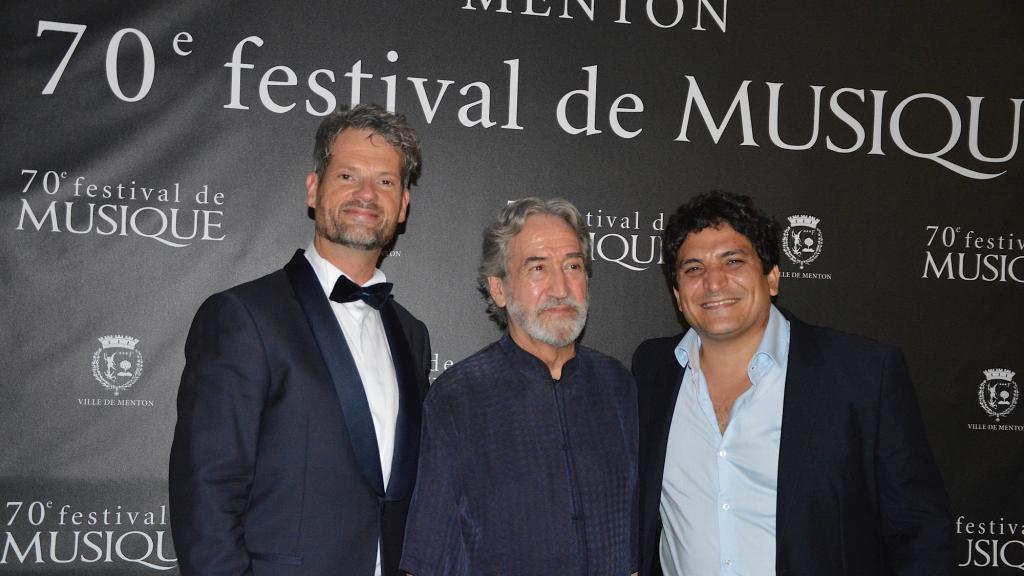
x=802 y=240
x=117 y=364
x=998 y=393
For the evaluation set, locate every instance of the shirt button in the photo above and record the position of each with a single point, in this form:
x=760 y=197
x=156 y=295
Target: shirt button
x=728 y=562
x=721 y=453
x=726 y=506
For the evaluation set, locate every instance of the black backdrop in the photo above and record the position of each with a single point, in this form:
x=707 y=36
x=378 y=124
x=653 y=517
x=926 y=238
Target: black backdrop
x=154 y=153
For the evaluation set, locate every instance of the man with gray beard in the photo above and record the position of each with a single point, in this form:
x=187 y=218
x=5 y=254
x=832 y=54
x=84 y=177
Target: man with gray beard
x=528 y=453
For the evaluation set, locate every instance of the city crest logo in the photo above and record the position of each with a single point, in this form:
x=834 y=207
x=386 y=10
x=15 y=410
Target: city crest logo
x=117 y=364
x=998 y=393
x=802 y=239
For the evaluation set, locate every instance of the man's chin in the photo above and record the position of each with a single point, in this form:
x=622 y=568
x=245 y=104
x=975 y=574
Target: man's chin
x=367 y=242
x=563 y=334
x=367 y=246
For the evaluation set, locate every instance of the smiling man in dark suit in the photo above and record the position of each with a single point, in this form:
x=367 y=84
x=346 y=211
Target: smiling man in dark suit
x=295 y=450
x=768 y=446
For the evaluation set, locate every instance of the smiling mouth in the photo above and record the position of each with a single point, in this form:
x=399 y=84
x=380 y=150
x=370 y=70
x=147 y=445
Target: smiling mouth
x=360 y=213
x=717 y=304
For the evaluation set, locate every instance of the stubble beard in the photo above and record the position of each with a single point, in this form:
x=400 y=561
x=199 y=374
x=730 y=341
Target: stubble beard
x=330 y=226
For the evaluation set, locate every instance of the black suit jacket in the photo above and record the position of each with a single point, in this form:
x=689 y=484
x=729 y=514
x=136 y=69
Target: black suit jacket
x=274 y=467
x=858 y=489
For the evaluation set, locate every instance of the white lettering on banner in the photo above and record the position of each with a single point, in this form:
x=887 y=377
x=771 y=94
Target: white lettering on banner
x=635 y=252
x=134 y=210
x=41 y=544
x=1001 y=544
x=475 y=111
x=806 y=275
x=437 y=366
x=741 y=102
x=954 y=254
x=663 y=15
x=871 y=122
x=589 y=94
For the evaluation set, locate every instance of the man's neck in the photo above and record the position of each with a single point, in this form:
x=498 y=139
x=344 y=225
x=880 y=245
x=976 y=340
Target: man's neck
x=720 y=354
x=724 y=365
x=357 y=264
x=553 y=357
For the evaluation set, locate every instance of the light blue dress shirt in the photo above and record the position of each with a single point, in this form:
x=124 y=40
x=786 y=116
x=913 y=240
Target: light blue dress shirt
x=719 y=490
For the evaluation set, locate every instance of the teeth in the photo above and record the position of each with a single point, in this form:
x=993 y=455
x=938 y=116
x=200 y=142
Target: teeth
x=718 y=303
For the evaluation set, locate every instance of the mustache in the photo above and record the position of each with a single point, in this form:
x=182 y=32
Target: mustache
x=361 y=205
x=569 y=301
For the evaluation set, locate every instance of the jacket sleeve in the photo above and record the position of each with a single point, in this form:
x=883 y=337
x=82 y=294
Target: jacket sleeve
x=916 y=519
x=433 y=537
x=220 y=401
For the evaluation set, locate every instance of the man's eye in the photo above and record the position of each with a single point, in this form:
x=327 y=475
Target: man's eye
x=691 y=269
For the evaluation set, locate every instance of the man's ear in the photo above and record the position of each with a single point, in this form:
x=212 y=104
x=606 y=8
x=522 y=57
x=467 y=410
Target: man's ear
x=312 y=183
x=773 y=281
x=497 y=289
x=404 y=210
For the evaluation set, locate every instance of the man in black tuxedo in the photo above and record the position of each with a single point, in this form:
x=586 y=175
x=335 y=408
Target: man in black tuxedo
x=769 y=446
x=296 y=445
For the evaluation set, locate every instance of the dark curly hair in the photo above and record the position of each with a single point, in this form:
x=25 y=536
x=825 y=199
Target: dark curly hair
x=711 y=210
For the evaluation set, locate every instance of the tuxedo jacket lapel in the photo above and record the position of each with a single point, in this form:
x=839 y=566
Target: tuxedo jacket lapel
x=407 y=437
x=342 y=368
x=670 y=376
x=657 y=405
x=805 y=373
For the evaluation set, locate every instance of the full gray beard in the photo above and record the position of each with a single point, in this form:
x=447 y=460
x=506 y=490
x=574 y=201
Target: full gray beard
x=562 y=334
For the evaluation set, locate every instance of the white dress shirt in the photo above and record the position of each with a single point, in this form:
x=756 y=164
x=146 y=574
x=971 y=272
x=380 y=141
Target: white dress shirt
x=364 y=333
x=719 y=490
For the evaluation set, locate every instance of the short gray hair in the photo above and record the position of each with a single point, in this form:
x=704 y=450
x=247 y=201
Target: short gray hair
x=392 y=127
x=510 y=221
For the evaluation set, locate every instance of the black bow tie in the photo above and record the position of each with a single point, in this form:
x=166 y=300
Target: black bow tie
x=346 y=290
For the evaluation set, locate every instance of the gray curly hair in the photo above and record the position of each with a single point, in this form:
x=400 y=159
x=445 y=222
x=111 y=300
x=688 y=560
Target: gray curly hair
x=392 y=127
x=510 y=221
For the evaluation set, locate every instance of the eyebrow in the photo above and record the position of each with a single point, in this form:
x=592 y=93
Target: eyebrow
x=568 y=256
x=738 y=251
x=726 y=254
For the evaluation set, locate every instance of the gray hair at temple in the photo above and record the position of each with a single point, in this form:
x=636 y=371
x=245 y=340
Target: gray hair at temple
x=510 y=221
x=392 y=127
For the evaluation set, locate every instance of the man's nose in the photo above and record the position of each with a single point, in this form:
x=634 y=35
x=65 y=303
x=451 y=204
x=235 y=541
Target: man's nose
x=714 y=278
x=558 y=286
x=366 y=190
